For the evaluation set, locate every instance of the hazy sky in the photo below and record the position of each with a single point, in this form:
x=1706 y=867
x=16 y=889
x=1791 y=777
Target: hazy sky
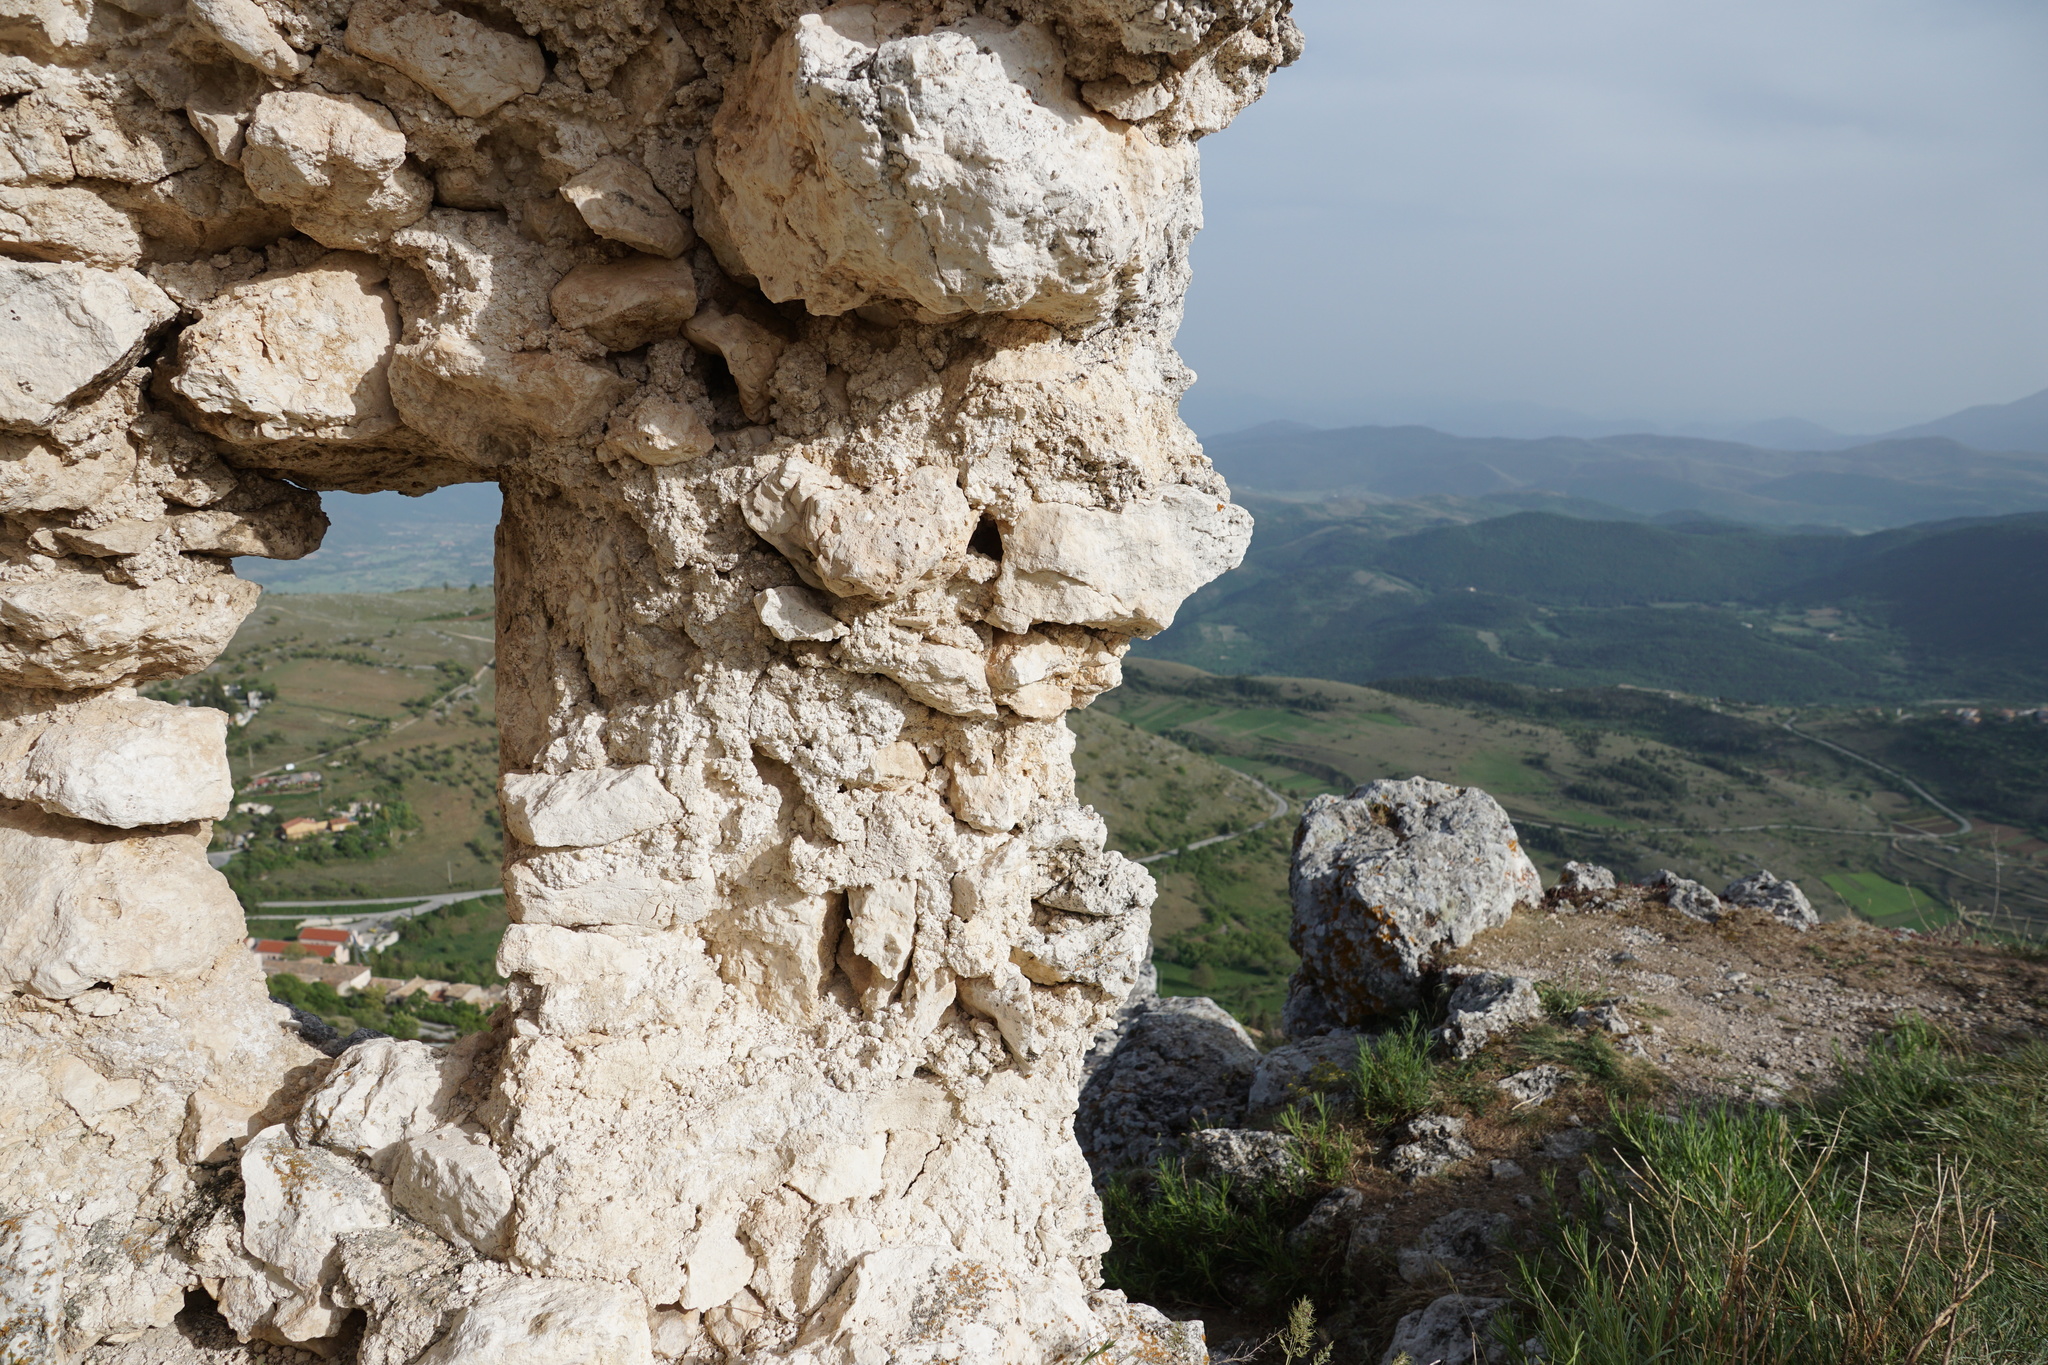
x=1668 y=209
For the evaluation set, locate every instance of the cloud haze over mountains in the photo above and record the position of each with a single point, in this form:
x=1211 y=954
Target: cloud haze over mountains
x=1667 y=216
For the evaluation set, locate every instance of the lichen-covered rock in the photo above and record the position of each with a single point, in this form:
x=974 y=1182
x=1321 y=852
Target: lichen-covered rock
x=1178 y=1062
x=1456 y=1329
x=1455 y=1246
x=1765 y=891
x=1384 y=881
x=1429 y=1146
x=1485 y=1005
x=1246 y=1157
x=1290 y=1071
x=1686 y=896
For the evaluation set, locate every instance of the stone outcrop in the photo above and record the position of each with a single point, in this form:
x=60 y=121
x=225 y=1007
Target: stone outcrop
x=1384 y=881
x=1765 y=891
x=823 y=355
x=1169 y=1066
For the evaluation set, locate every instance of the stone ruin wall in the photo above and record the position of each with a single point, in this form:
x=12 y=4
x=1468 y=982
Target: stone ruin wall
x=824 y=359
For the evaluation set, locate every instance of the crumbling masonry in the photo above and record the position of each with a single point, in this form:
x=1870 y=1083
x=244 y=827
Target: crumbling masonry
x=824 y=358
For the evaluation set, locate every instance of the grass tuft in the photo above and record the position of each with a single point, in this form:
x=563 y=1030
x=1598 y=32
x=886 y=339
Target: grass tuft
x=1896 y=1220
x=1395 y=1077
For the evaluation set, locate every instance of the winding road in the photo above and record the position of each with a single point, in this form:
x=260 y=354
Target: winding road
x=1279 y=809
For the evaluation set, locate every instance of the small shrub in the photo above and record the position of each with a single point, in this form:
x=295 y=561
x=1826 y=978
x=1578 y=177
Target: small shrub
x=1320 y=1143
x=1176 y=1239
x=1395 y=1076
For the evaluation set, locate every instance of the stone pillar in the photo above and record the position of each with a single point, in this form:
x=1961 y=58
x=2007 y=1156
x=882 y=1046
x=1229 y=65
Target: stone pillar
x=824 y=357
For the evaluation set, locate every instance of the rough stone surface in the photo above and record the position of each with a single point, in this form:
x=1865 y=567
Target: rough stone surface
x=811 y=938
x=1456 y=1329
x=1584 y=879
x=1177 y=1063
x=1429 y=1146
x=1455 y=1245
x=1386 y=880
x=1286 y=1073
x=1246 y=1157
x=1762 y=890
x=1484 y=1006
x=87 y=326
x=124 y=762
x=1533 y=1086
x=1687 y=897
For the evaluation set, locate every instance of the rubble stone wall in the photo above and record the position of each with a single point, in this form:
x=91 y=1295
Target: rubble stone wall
x=824 y=358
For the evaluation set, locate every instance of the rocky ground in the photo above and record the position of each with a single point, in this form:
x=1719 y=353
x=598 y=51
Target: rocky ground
x=1402 y=1217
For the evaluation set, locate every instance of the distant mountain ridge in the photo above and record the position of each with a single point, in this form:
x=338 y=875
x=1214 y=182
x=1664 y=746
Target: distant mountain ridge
x=1356 y=594
x=1894 y=481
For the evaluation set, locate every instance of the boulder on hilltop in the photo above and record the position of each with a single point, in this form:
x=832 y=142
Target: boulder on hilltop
x=1384 y=881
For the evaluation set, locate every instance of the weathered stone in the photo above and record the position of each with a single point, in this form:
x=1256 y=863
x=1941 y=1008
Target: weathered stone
x=336 y=163
x=1605 y=1016
x=586 y=807
x=1289 y=1071
x=839 y=157
x=547 y=1322
x=1764 y=891
x=1246 y=1157
x=470 y=68
x=245 y=30
x=1456 y=1329
x=791 y=614
x=1584 y=879
x=65 y=223
x=300 y=354
x=298 y=1202
x=1687 y=897
x=660 y=432
x=1430 y=1145
x=1385 y=880
x=1328 y=1225
x=1178 y=1063
x=383 y=1094
x=809 y=935
x=71 y=327
x=624 y=304
x=121 y=762
x=1125 y=571
x=454 y=1183
x=876 y=542
x=1455 y=1246
x=1484 y=1006
x=1533 y=1086
x=620 y=201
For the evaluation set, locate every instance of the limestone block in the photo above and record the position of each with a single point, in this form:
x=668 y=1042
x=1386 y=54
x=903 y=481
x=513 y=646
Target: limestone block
x=297 y=354
x=619 y=200
x=1766 y=891
x=548 y=1322
x=624 y=304
x=1457 y=1245
x=1456 y=1329
x=1687 y=896
x=1248 y=1158
x=384 y=1093
x=881 y=542
x=336 y=163
x=66 y=223
x=1383 y=882
x=38 y=474
x=471 y=68
x=883 y=921
x=297 y=1203
x=603 y=885
x=453 y=1183
x=1126 y=571
x=792 y=614
x=751 y=352
x=586 y=807
x=1293 y=1070
x=660 y=432
x=244 y=29
x=86 y=904
x=75 y=629
x=933 y=1304
x=71 y=327
x=1178 y=1063
x=950 y=169
x=1485 y=1006
x=121 y=762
